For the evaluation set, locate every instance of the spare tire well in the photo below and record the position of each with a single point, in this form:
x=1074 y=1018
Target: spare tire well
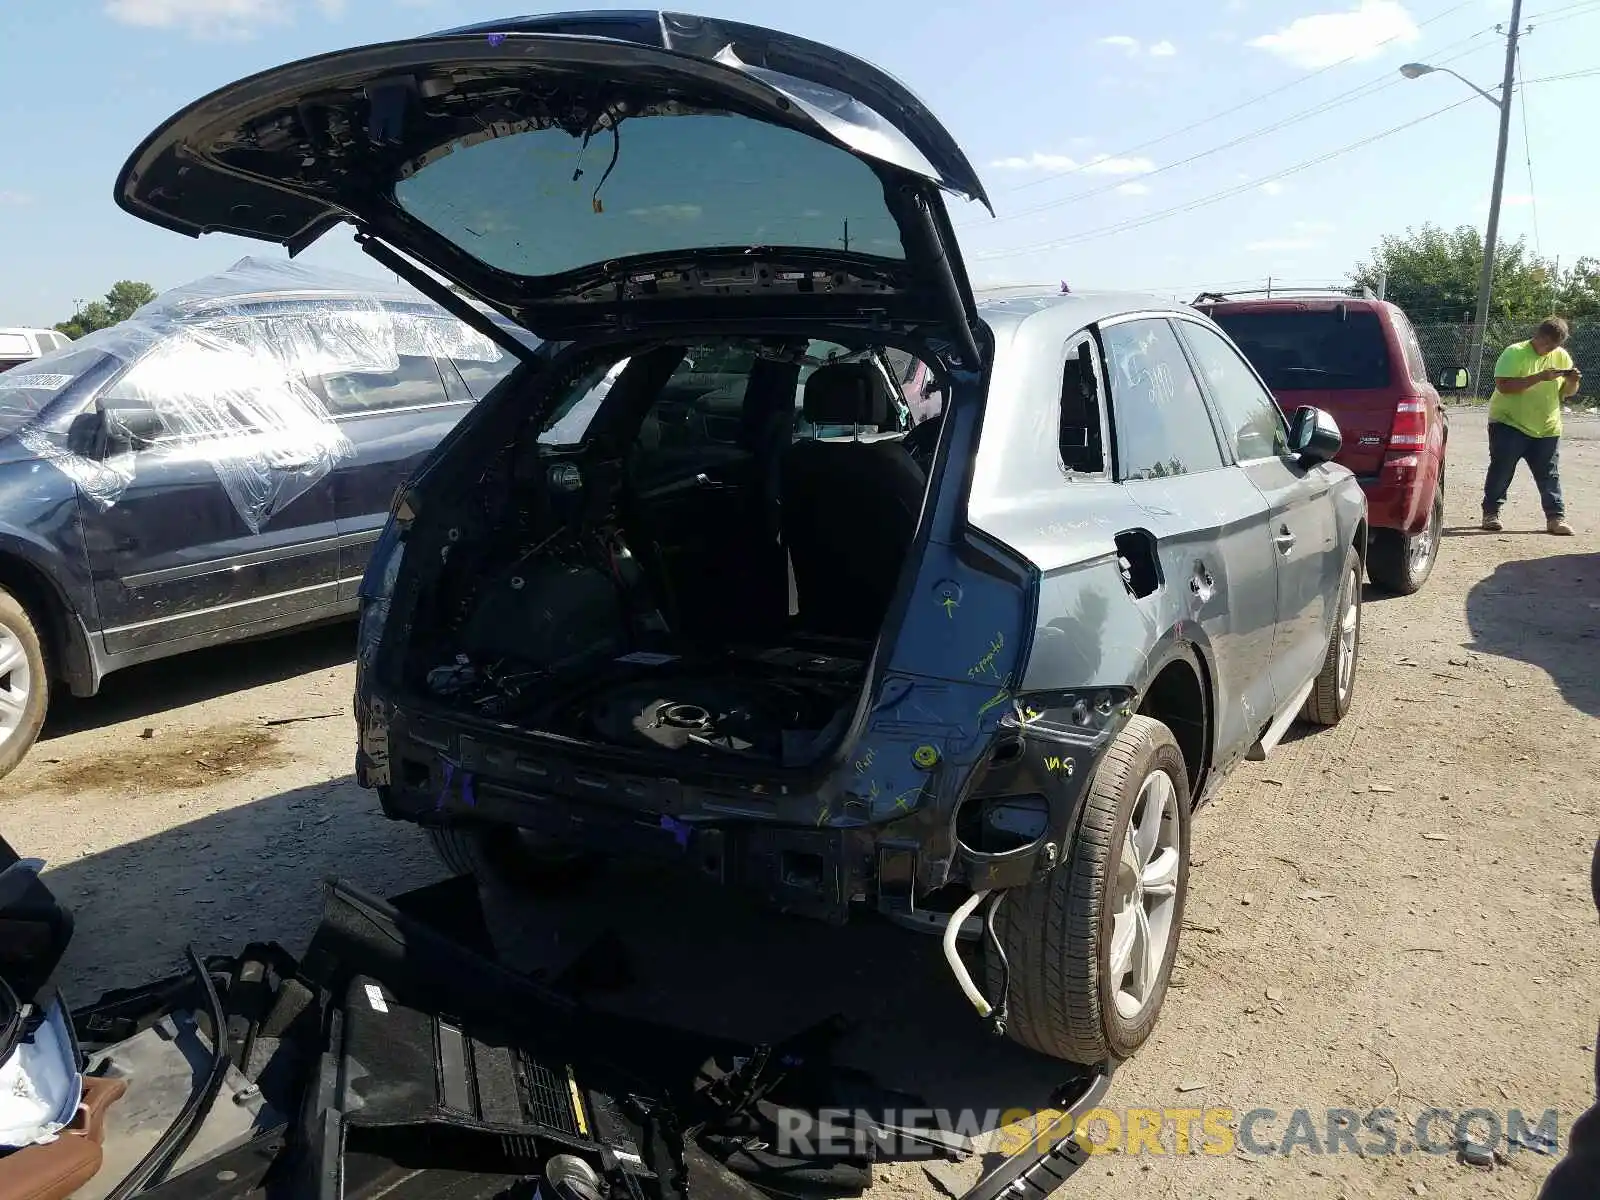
x=1179 y=699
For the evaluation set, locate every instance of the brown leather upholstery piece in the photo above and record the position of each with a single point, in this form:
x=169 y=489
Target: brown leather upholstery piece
x=55 y=1171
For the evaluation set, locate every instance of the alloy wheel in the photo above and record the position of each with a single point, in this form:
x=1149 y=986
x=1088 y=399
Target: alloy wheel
x=1146 y=895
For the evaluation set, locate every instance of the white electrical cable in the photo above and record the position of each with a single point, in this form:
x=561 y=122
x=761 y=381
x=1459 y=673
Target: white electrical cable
x=952 y=930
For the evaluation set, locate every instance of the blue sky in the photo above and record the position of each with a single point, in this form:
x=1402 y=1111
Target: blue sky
x=1104 y=133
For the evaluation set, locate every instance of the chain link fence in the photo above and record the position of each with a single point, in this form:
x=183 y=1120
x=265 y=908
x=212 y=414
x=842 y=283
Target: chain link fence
x=1446 y=347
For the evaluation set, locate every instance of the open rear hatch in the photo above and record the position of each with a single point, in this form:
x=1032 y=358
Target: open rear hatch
x=591 y=172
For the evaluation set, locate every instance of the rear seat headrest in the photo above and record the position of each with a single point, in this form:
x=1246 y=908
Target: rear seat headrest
x=850 y=393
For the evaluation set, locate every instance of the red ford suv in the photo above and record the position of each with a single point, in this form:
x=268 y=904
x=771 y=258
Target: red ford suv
x=1359 y=360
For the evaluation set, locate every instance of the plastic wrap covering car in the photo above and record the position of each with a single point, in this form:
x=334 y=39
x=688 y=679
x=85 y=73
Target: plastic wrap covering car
x=219 y=369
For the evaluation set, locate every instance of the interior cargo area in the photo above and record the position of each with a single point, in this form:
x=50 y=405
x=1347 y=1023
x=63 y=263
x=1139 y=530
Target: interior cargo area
x=695 y=554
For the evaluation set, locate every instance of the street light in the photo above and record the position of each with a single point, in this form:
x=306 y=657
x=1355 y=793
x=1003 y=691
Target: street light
x=1502 y=102
x=1418 y=70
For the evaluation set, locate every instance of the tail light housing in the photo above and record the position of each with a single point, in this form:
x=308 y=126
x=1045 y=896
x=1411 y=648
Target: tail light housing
x=1409 y=432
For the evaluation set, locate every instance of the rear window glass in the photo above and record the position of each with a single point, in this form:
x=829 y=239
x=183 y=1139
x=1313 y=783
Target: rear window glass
x=540 y=202
x=1312 y=350
x=15 y=345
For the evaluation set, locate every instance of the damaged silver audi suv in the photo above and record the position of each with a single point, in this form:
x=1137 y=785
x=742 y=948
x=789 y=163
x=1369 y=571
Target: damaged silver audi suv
x=695 y=580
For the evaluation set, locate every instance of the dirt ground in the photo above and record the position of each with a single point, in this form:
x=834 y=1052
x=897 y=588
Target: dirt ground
x=1391 y=914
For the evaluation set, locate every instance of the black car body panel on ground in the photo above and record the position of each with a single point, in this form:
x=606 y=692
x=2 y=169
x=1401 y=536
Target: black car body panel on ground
x=737 y=615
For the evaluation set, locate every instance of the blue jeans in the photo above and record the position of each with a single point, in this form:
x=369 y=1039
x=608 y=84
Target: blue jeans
x=1509 y=446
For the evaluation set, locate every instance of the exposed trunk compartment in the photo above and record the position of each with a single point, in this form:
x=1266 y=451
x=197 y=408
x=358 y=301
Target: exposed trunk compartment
x=705 y=575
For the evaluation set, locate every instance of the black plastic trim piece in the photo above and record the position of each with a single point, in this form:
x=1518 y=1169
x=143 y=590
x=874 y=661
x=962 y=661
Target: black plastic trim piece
x=1038 y=1171
x=153 y=1167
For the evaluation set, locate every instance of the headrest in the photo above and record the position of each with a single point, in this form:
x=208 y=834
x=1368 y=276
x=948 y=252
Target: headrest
x=850 y=393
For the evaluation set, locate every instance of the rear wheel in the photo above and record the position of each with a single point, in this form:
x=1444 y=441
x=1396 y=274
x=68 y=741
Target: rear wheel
x=24 y=685
x=1336 y=683
x=1090 y=946
x=1401 y=563
x=508 y=859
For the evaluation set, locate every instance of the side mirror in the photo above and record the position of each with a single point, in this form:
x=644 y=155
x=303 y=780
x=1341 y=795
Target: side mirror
x=1314 y=436
x=132 y=428
x=1455 y=381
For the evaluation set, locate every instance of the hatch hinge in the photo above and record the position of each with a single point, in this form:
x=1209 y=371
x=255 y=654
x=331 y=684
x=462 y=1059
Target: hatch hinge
x=949 y=288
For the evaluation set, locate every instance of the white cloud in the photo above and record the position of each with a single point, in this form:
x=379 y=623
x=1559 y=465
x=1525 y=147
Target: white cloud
x=1134 y=189
x=1272 y=188
x=1277 y=245
x=215 y=18
x=1323 y=39
x=1100 y=164
x=1105 y=164
x=1134 y=47
x=667 y=212
x=1314 y=226
x=1036 y=162
x=15 y=197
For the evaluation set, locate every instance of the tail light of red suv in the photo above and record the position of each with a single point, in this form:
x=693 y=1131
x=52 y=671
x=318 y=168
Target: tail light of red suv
x=1408 y=438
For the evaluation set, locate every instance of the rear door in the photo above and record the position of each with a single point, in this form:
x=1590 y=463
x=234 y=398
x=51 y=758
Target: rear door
x=225 y=525
x=584 y=171
x=1209 y=520
x=394 y=411
x=1301 y=520
x=1330 y=355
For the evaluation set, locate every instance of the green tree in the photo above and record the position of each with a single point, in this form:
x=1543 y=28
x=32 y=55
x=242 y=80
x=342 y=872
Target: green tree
x=119 y=304
x=1579 y=298
x=1432 y=273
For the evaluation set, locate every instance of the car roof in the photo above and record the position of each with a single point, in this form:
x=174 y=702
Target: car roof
x=24 y=329
x=1307 y=303
x=1064 y=312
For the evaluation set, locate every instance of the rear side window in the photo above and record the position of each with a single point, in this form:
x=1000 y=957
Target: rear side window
x=1079 y=433
x=401 y=374
x=1416 y=366
x=1299 y=350
x=1161 y=424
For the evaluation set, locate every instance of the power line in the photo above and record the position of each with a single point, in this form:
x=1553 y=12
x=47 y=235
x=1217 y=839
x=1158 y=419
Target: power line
x=1267 y=95
x=1217 y=197
x=1527 y=154
x=1558 y=78
x=1578 y=9
x=1361 y=92
x=1557 y=16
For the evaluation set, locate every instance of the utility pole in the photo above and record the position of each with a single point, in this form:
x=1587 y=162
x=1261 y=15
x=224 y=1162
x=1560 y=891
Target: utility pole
x=1480 y=326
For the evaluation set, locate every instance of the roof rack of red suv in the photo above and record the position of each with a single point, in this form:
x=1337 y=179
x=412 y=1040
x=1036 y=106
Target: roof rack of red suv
x=1274 y=292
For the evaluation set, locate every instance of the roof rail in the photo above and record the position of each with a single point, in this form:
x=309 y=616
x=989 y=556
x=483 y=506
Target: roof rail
x=1269 y=293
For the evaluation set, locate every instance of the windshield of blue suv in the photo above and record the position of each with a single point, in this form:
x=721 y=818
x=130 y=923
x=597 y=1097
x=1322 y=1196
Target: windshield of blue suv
x=540 y=202
x=1312 y=349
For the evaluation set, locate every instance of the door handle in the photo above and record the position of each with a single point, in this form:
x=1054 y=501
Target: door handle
x=1285 y=540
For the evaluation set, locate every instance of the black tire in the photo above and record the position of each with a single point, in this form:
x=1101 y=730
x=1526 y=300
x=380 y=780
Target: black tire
x=1057 y=932
x=1395 y=560
x=1333 y=692
x=505 y=859
x=19 y=640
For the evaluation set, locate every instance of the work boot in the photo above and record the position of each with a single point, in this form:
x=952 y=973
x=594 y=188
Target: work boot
x=1491 y=522
x=1559 y=527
